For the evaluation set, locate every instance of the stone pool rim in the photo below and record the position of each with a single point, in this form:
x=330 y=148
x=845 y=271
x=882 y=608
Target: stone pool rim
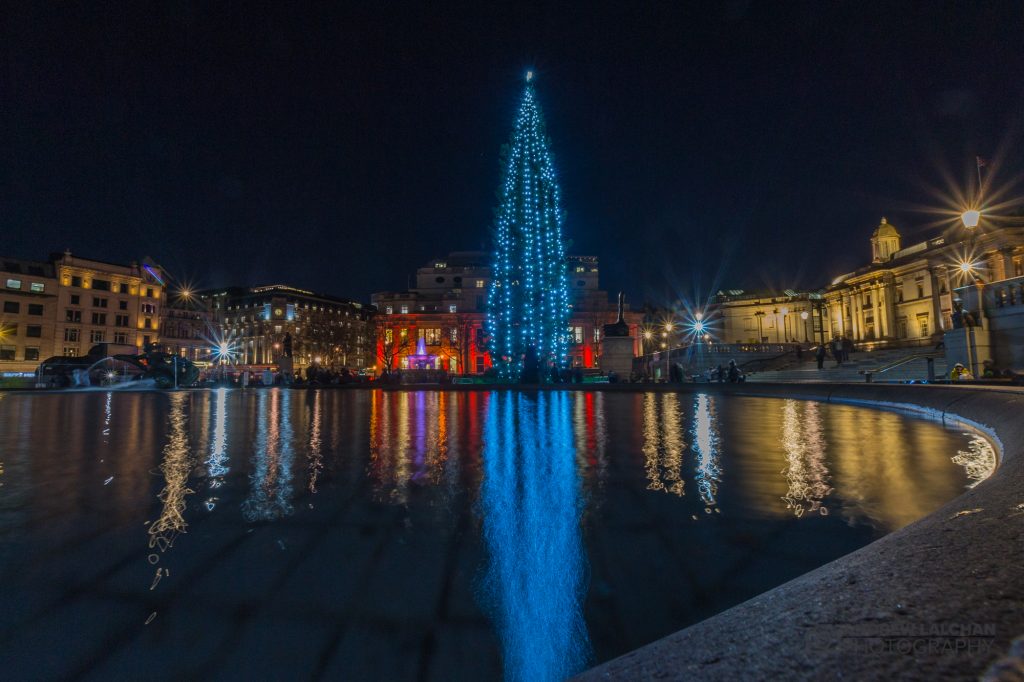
x=874 y=613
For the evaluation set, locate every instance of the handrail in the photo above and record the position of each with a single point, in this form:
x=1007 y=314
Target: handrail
x=930 y=357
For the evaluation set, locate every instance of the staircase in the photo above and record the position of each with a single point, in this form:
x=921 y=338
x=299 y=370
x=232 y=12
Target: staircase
x=853 y=371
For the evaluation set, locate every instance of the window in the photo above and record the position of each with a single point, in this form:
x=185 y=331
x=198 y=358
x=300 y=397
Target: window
x=403 y=333
x=439 y=280
x=431 y=337
x=453 y=335
x=150 y=309
x=14 y=284
x=34 y=331
x=122 y=305
x=101 y=284
x=145 y=340
x=12 y=307
x=31 y=353
x=99 y=318
x=575 y=334
x=35 y=308
x=149 y=292
x=70 y=351
x=123 y=288
x=72 y=315
x=99 y=302
x=76 y=281
x=75 y=298
x=71 y=334
x=453 y=308
x=121 y=320
x=440 y=264
x=96 y=336
x=479 y=284
x=37 y=288
x=597 y=335
x=9 y=329
x=405 y=310
x=922 y=323
x=867 y=300
x=901 y=328
x=920 y=290
x=121 y=337
x=388 y=336
x=7 y=352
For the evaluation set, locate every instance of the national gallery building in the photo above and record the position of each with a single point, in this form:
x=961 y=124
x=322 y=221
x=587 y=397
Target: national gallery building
x=904 y=297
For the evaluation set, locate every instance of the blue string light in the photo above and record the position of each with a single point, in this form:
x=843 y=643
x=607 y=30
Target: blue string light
x=528 y=299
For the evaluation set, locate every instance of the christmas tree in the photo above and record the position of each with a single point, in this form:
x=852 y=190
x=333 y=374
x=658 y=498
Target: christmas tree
x=528 y=302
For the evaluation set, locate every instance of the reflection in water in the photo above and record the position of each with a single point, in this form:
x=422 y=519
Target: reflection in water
x=663 y=442
x=216 y=462
x=804 y=445
x=591 y=434
x=705 y=443
x=978 y=460
x=175 y=468
x=531 y=525
x=410 y=441
x=271 y=478
x=315 y=456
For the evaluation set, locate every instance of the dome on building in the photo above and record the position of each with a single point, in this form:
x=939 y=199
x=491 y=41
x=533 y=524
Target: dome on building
x=885 y=229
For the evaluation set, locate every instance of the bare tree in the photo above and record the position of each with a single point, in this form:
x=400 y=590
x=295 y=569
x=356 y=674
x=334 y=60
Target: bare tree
x=392 y=342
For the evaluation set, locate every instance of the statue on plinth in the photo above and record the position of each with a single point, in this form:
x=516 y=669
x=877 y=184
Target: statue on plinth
x=619 y=327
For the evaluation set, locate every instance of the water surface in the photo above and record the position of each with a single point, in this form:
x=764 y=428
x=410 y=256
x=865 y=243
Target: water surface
x=269 y=533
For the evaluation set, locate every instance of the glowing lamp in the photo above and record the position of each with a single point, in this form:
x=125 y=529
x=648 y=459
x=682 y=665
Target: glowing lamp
x=804 y=315
x=970 y=218
x=529 y=76
x=698 y=327
x=785 y=310
x=966 y=266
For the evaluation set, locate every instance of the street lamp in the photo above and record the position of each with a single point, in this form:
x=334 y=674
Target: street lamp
x=668 y=350
x=803 y=316
x=970 y=218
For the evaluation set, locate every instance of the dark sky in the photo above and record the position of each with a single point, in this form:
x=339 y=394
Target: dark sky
x=737 y=144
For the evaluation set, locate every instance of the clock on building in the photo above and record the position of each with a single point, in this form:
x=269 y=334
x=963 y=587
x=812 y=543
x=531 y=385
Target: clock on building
x=278 y=312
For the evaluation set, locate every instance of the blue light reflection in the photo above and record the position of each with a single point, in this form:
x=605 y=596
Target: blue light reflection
x=530 y=502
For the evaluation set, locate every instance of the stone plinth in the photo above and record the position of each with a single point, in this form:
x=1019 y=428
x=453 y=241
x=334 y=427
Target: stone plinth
x=971 y=346
x=617 y=356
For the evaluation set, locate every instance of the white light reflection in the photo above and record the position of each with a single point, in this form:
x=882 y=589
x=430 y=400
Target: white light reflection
x=978 y=460
x=706 y=445
x=804 y=445
x=175 y=468
x=270 y=481
x=216 y=463
x=316 y=458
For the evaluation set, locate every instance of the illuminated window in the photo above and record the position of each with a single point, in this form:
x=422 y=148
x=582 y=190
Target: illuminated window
x=403 y=334
x=388 y=310
x=405 y=310
x=576 y=334
x=71 y=334
x=38 y=288
x=453 y=308
x=96 y=336
x=431 y=337
x=479 y=284
x=388 y=336
x=580 y=268
x=121 y=337
x=453 y=334
x=70 y=351
x=440 y=264
x=14 y=284
x=597 y=335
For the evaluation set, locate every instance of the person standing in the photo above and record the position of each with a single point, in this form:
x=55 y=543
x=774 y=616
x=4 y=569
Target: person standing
x=837 y=351
x=820 y=355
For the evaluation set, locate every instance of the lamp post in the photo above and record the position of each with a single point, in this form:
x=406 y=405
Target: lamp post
x=803 y=316
x=668 y=350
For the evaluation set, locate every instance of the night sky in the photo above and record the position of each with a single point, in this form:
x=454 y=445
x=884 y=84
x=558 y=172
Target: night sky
x=723 y=144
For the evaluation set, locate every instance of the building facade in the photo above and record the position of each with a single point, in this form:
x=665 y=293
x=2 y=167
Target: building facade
x=440 y=322
x=68 y=304
x=28 y=309
x=187 y=328
x=324 y=330
x=752 y=317
x=906 y=295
